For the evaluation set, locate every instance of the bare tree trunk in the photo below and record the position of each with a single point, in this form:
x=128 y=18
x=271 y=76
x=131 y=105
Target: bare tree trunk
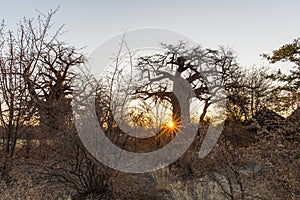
x=180 y=100
x=204 y=111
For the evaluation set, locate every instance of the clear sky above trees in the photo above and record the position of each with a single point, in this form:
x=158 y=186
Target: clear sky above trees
x=250 y=27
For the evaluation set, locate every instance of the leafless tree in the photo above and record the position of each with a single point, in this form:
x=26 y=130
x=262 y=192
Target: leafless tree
x=250 y=91
x=207 y=71
x=44 y=67
x=47 y=64
x=16 y=106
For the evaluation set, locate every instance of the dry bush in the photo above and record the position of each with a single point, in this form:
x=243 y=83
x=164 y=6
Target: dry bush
x=80 y=173
x=161 y=178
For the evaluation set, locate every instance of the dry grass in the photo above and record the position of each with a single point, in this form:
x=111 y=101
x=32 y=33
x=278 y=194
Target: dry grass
x=25 y=189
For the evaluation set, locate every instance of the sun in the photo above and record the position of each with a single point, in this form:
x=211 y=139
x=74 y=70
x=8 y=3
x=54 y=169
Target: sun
x=171 y=128
x=171 y=125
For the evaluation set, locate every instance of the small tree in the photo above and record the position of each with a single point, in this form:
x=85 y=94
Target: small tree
x=289 y=89
x=16 y=106
x=250 y=91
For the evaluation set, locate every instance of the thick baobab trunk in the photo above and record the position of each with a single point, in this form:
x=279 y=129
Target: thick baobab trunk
x=54 y=120
x=180 y=99
x=51 y=116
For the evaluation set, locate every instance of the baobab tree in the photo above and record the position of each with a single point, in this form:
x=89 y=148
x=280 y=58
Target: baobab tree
x=206 y=71
x=47 y=63
x=37 y=69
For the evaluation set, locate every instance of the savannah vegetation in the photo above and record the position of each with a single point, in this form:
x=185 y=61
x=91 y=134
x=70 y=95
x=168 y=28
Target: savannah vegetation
x=42 y=157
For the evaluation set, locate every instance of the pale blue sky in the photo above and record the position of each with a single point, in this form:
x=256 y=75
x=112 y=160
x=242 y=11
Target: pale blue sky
x=249 y=27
